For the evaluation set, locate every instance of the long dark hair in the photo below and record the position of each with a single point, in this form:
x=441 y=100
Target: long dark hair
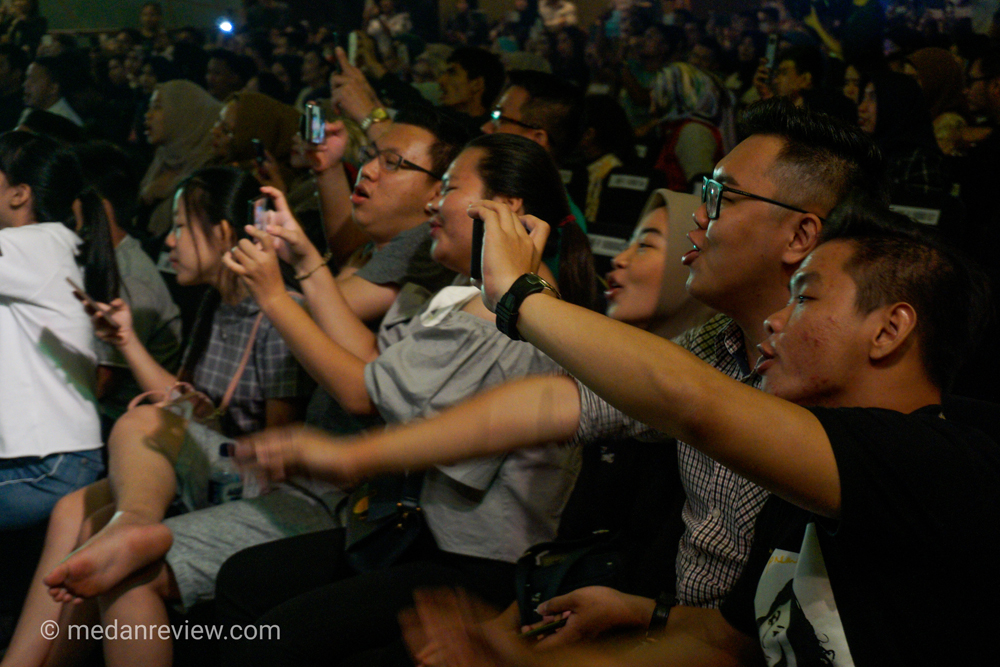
x=209 y=196
x=54 y=176
x=518 y=167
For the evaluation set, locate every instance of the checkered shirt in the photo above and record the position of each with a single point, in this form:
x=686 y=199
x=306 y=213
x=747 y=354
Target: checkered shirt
x=271 y=373
x=721 y=507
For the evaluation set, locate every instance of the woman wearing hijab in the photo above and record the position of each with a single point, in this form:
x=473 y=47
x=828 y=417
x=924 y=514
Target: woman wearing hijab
x=247 y=116
x=179 y=123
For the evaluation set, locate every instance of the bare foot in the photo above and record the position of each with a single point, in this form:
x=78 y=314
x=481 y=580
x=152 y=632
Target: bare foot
x=127 y=544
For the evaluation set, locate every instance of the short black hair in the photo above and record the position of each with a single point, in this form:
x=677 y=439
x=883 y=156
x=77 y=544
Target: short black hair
x=807 y=58
x=450 y=135
x=553 y=104
x=57 y=70
x=241 y=66
x=897 y=260
x=989 y=62
x=823 y=159
x=17 y=59
x=481 y=63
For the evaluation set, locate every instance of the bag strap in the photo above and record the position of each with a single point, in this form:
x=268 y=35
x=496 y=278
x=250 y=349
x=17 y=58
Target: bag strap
x=231 y=389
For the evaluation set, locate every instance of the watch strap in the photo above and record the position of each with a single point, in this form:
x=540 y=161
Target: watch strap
x=510 y=303
x=377 y=115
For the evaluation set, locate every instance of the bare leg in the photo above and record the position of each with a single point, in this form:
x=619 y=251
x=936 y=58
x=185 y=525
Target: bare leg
x=138 y=604
x=142 y=450
x=28 y=647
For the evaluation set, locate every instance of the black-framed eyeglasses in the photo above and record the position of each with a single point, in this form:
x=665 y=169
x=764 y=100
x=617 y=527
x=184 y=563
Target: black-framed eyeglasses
x=497 y=117
x=711 y=197
x=392 y=161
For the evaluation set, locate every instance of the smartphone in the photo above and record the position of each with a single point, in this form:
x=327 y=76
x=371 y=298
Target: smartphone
x=772 y=50
x=545 y=629
x=352 y=48
x=87 y=301
x=478 y=232
x=259 y=154
x=257 y=212
x=314 y=130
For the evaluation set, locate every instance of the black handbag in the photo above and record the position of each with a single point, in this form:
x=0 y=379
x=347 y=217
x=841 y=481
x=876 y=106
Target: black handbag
x=384 y=519
x=555 y=568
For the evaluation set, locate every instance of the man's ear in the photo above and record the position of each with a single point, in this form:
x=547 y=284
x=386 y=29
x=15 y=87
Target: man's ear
x=895 y=330
x=516 y=203
x=21 y=196
x=805 y=238
x=541 y=137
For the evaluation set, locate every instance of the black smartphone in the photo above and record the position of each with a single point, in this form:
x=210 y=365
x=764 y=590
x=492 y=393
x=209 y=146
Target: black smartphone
x=89 y=302
x=478 y=232
x=257 y=212
x=259 y=154
x=545 y=629
x=772 y=51
x=314 y=124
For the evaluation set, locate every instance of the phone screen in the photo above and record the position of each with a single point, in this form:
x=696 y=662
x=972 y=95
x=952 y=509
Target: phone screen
x=258 y=212
x=772 y=51
x=315 y=124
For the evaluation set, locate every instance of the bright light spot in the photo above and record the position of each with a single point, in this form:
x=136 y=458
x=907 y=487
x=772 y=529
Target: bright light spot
x=225 y=25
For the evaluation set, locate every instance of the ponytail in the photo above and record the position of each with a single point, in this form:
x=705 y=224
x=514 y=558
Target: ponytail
x=101 y=278
x=520 y=168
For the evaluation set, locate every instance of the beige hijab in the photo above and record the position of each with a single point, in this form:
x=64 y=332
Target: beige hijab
x=189 y=113
x=678 y=311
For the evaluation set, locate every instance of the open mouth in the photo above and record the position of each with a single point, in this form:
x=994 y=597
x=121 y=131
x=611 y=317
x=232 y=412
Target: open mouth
x=691 y=255
x=359 y=195
x=614 y=287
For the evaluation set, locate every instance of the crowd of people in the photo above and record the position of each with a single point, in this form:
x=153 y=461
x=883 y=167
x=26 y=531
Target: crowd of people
x=302 y=327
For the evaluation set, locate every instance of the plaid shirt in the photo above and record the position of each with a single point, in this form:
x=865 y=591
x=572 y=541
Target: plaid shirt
x=721 y=506
x=272 y=372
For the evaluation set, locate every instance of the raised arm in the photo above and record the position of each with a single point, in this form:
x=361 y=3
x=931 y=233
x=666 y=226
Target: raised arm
x=339 y=308
x=772 y=442
x=334 y=367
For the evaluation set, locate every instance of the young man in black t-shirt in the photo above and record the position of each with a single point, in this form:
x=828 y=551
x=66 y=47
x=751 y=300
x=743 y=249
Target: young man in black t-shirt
x=877 y=546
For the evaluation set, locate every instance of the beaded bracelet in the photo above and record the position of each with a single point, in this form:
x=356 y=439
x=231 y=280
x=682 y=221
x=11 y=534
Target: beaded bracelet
x=326 y=258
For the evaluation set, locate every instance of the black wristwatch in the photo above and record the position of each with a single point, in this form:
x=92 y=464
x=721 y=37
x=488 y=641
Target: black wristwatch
x=510 y=303
x=661 y=613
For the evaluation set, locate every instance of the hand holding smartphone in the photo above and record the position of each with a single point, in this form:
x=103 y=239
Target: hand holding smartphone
x=257 y=212
x=314 y=124
x=91 y=306
x=772 y=51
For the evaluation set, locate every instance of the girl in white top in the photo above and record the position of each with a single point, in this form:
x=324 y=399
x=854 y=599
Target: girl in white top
x=49 y=430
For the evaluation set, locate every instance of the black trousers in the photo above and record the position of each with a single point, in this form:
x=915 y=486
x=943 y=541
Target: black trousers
x=326 y=613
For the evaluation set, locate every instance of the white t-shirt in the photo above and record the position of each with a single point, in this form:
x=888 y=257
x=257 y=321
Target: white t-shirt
x=47 y=359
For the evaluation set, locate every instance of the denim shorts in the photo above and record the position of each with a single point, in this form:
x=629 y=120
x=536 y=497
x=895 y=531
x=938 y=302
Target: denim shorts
x=30 y=486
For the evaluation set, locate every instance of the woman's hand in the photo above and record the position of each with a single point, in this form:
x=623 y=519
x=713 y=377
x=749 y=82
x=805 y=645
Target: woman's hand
x=112 y=321
x=512 y=246
x=256 y=263
x=290 y=242
x=268 y=173
x=276 y=454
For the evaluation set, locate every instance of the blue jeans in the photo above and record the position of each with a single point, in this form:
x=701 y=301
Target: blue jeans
x=30 y=486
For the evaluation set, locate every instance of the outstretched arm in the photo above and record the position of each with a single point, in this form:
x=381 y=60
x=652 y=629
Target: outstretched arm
x=772 y=442
x=523 y=413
